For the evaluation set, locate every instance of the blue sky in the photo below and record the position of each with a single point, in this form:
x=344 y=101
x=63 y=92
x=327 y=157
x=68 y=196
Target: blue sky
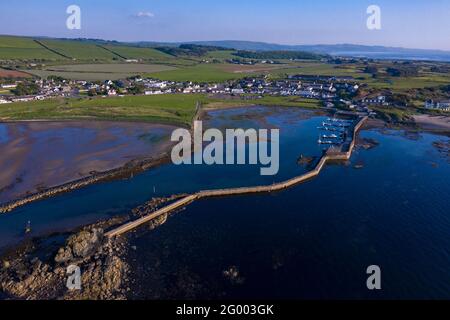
x=406 y=23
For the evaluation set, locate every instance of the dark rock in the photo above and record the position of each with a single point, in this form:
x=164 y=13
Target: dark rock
x=232 y=274
x=64 y=255
x=6 y=264
x=85 y=243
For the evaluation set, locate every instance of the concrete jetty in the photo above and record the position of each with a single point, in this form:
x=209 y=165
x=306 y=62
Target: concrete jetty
x=330 y=155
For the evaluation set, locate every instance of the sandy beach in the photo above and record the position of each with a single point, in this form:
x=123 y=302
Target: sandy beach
x=433 y=123
x=39 y=155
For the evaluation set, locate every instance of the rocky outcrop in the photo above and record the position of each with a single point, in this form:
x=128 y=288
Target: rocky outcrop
x=443 y=147
x=306 y=161
x=153 y=204
x=366 y=143
x=103 y=270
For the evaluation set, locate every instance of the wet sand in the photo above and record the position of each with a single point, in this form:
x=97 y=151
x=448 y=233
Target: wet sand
x=433 y=123
x=39 y=155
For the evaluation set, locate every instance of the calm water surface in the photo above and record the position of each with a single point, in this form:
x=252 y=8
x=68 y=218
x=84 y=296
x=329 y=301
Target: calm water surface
x=315 y=240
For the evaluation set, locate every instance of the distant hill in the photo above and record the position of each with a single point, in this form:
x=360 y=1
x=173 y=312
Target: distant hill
x=14 y=47
x=351 y=50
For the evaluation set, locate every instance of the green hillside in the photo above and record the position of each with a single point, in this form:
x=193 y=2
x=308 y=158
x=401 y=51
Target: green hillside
x=138 y=53
x=20 y=48
x=28 y=48
x=79 y=50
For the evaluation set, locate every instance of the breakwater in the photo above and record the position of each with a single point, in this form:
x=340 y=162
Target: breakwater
x=130 y=168
x=333 y=154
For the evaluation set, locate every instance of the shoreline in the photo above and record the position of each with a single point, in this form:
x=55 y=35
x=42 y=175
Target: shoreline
x=125 y=171
x=136 y=166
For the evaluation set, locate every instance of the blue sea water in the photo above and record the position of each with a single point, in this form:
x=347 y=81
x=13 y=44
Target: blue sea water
x=314 y=241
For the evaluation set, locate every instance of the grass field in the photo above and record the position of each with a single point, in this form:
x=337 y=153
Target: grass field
x=199 y=73
x=321 y=69
x=265 y=101
x=403 y=83
x=79 y=50
x=139 y=53
x=162 y=108
x=5 y=91
x=23 y=48
x=221 y=55
x=219 y=72
x=94 y=72
x=177 y=109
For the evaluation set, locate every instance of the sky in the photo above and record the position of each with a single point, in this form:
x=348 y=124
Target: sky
x=404 y=23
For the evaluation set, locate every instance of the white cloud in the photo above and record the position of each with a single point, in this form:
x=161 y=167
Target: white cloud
x=144 y=14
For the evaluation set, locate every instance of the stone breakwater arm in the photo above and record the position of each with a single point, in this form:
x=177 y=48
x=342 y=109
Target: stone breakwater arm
x=134 y=224
x=240 y=191
x=81 y=183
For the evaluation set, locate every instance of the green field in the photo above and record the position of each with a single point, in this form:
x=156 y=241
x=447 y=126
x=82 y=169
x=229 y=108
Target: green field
x=321 y=69
x=199 y=73
x=139 y=53
x=162 y=108
x=404 y=83
x=212 y=72
x=92 y=72
x=265 y=101
x=221 y=55
x=17 y=48
x=178 y=109
x=79 y=50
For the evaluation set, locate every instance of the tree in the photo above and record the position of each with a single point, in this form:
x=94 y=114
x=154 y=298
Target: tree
x=371 y=69
x=136 y=89
x=24 y=89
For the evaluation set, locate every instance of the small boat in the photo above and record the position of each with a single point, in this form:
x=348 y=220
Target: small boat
x=336 y=129
x=339 y=120
x=331 y=136
x=28 y=227
x=320 y=141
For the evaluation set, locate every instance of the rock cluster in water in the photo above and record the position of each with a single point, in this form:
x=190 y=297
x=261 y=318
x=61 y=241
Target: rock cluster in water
x=26 y=275
x=103 y=270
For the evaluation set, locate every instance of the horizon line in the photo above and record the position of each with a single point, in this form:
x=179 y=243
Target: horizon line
x=226 y=40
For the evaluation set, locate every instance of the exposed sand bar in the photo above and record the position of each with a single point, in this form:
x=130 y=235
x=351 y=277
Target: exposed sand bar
x=39 y=155
x=433 y=123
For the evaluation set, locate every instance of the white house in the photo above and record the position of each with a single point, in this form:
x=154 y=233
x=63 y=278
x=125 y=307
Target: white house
x=442 y=105
x=9 y=86
x=153 y=92
x=112 y=92
x=379 y=100
x=3 y=101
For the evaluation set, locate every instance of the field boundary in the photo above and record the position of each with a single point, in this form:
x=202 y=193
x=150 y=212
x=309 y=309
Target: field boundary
x=52 y=50
x=111 y=51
